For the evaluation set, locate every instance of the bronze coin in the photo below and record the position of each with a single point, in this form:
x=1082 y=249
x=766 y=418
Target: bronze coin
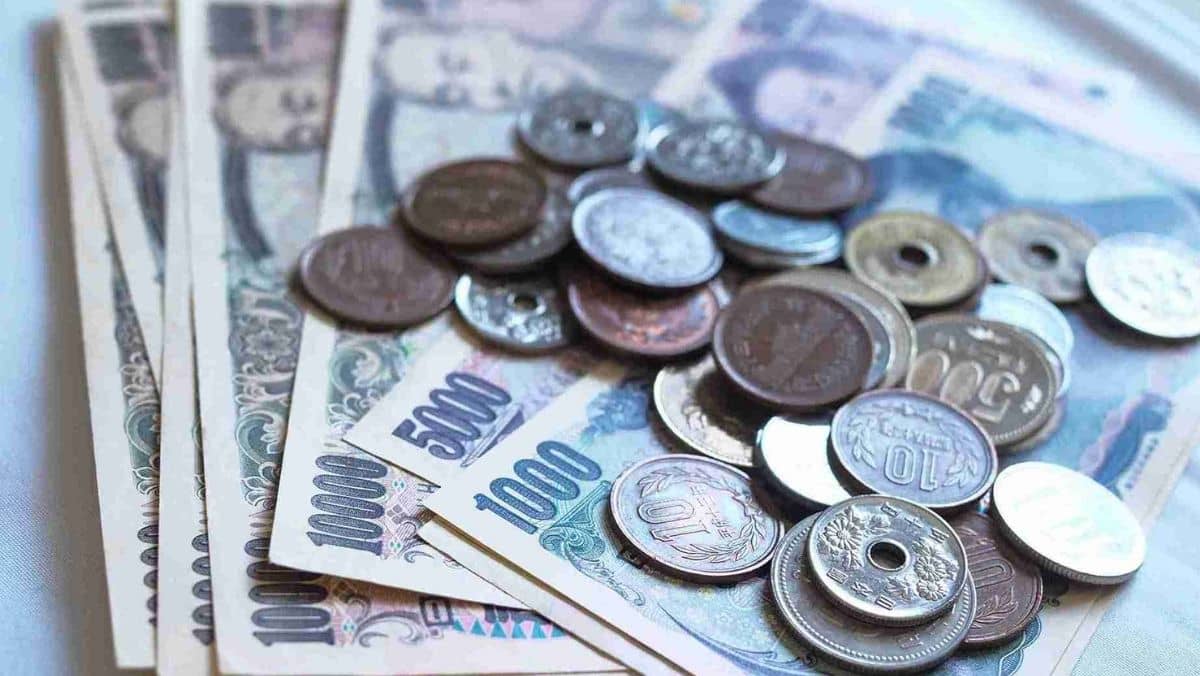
x=666 y=326
x=475 y=202
x=816 y=179
x=551 y=235
x=376 y=277
x=1007 y=585
x=1038 y=250
x=792 y=348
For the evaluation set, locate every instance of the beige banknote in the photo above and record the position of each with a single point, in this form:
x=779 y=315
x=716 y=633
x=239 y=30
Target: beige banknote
x=122 y=400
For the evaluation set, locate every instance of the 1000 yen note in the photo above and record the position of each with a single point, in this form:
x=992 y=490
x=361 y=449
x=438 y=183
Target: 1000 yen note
x=419 y=88
x=257 y=80
x=122 y=400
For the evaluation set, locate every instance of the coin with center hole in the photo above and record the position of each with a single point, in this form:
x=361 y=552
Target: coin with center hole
x=912 y=446
x=887 y=561
x=854 y=644
x=993 y=371
x=1029 y=310
x=1148 y=282
x=591 y=182
x=816 y=179
x=1068 y=523
x=694 y=517
x=551 y=235
x=375 y=277
x=475 y=202
x=646 y=238
x=719 y=156
x=700 y=409
x=1038 y=250
x=580 y=128
x=923 y=260
x=792 y=348
x=521 y=313
x=661 y=327
x=1007 y=585
x=793 y=452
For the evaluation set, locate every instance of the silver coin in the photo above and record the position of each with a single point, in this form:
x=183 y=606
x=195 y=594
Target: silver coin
x=763 y=260
x=646 y=238
x=580 y=128
x=1068 y=523
x=882 y=342
x=851 y=643
x=1038 y=250
x=1056 y=363
x=775 y=233
x=1029 y=310
x=526 y=252
x=590 y=182
x=905 y=444
x=701 y=409
x=720 y=156
x=1042 y=435
x=694 y=516
x=887 y=561
x=1148 y=282
x=527 y=314
x=793 y=452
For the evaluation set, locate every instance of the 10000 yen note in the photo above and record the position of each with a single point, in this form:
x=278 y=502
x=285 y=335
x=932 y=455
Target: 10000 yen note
x=122 y=400
x=419 y=88
x=122 y=58
x=257 y=82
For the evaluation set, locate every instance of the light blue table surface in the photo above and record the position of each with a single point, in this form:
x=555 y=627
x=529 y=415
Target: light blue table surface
x=53 y=606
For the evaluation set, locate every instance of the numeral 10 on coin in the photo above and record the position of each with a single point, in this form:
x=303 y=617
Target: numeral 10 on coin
x=453 y=416
x=530 y=497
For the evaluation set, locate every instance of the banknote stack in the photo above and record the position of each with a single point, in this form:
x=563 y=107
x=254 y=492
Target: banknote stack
x=615 y=335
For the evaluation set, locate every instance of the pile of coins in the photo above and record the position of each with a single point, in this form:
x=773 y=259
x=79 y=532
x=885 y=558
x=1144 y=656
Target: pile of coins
x=809 y=387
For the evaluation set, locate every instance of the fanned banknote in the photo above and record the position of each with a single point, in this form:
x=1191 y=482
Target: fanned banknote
x=122 y=55
x=257 y=86
x=122 y=399
x=422 y=85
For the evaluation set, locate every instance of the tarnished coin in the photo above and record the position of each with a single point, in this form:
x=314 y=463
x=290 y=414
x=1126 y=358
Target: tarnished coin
x=912 y=446
x=580 y=128
x=551 y=235
x=669 y=326
x=923 y=260
x=525 y=313
x=475 y=202
x=1008 y=587
x=695 y=517
x=793 y=452
x=1148 y=282
x=1038 y=250
x=992 y=370
x=814 y=241
x=854 y=644
x=702 y=410
x=816 y=179
x=590 y=182
x=720 y=156
x=887 y=561
x=792 y=348
x=646 y=238
x=1029 y=310
x=375 y=277
x=1068 y=523
x=901 y=335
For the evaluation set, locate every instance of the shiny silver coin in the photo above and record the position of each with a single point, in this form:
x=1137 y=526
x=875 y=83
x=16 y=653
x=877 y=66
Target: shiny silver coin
x=701 y=409
x=793 y=452
x=719 y=156
x=695 y=517
x=580 y=128
x=762 y=260
x=1038 y=250
x=1068 y=523
x=1042 y=435
x=646 y=238
x=591 y=182
x=887 y=561
x=1147 y=282
x=854 y=644
x=651 y=116
x=1024 y=308
x=909 y=445
x=526 y=314
x=550 y=236
x=775 y=233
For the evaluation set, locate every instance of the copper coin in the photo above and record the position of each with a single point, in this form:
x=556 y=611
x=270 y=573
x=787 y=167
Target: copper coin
x=551 y=235
x=375 y=277
x=792 y=348
x=1008 y=586
x=816 y=179
x=475 y=202
x=1041 y=251
x=628 y=322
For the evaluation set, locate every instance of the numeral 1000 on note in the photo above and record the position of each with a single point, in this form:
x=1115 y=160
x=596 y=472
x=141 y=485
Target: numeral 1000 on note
x=554 y=475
